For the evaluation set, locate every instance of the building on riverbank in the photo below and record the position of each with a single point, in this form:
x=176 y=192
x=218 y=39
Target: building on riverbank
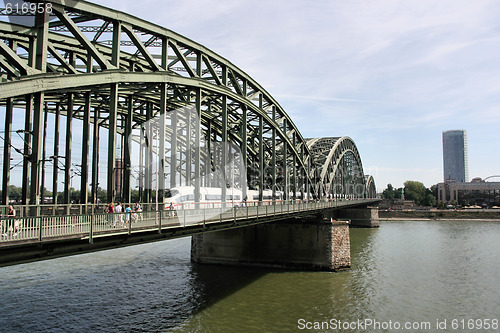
x=455 y=156
x=476 y=192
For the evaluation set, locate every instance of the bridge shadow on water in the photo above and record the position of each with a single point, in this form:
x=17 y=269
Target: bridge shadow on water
x=212 y=283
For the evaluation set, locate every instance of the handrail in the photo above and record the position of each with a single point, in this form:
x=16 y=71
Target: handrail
x=79 y=209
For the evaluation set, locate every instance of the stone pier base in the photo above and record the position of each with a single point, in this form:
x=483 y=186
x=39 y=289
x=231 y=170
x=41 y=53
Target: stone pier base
x=358 y=217
x=293 y=244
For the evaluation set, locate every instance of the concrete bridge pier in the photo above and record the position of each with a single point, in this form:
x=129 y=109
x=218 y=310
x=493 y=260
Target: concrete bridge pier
x=366 y=217
x=311 y=244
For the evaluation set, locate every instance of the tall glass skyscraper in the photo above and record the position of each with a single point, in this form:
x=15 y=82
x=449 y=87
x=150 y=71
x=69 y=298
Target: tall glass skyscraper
x=455 y=160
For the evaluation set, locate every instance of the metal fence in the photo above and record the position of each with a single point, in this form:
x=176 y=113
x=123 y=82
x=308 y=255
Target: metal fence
x=67 y=209
x=85 y=209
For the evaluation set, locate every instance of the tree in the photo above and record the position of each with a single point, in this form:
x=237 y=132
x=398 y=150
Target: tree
x=434 y=190
x=102 y=194
x=134 y=196
x=15 y=193
x=398 y=193
x=430 y=200
x=388 y=193
x=415 y=191
x=391 y=193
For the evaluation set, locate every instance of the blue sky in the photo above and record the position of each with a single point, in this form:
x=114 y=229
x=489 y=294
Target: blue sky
x=393 y=75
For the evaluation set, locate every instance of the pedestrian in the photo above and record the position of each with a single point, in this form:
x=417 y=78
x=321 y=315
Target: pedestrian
x=119 y=210
x=128 y=210
x=10 y=223
x=12 y=211
x=171 y=207
x=110 y=210
x=16 y=223
x=138 y=210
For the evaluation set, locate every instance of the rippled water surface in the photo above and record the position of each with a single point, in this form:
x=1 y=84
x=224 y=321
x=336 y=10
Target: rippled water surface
x=414 y=272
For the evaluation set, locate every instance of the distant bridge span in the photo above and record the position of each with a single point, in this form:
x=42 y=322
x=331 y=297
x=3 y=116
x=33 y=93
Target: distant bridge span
x=162 y=109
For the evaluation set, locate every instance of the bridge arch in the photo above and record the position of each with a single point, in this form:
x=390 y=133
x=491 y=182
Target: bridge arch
x=341 y=170
x=371 y=191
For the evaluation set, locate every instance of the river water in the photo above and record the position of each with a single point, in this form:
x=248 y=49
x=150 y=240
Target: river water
x=425 y=276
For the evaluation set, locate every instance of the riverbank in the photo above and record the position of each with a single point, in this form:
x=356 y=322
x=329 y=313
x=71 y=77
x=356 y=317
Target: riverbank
x=479 y=214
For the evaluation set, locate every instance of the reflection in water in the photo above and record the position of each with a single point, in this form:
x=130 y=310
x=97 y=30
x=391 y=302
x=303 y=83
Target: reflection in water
x=403 y=271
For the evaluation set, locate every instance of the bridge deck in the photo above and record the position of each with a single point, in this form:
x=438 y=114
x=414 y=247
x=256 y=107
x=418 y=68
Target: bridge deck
x=97 y=231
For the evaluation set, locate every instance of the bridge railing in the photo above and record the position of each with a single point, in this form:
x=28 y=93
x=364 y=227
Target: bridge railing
x=67 y=209
x=88 y=226
x=85 y=209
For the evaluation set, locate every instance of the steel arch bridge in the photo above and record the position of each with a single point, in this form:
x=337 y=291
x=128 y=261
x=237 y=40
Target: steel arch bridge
x=100 y=76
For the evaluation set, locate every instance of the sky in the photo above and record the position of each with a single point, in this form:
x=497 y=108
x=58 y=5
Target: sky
x=392 y=75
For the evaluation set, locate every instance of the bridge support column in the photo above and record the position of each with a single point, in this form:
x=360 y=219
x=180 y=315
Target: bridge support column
x=359 y=217
x=293 y=244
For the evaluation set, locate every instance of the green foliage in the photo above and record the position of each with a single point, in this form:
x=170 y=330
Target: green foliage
x=415 y=191
x=391 y=193
x=102 y=195
x=433 y=190
x=388 y=192
x=134 y=196
x=430 y=200
x=15 y=194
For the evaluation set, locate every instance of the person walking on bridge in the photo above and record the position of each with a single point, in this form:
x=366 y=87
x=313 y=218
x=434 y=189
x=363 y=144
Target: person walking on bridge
x=171 y=208
x=128 y=210
x=10 y=224
x=119 y=217
x=110 y=209
x=138 y=210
